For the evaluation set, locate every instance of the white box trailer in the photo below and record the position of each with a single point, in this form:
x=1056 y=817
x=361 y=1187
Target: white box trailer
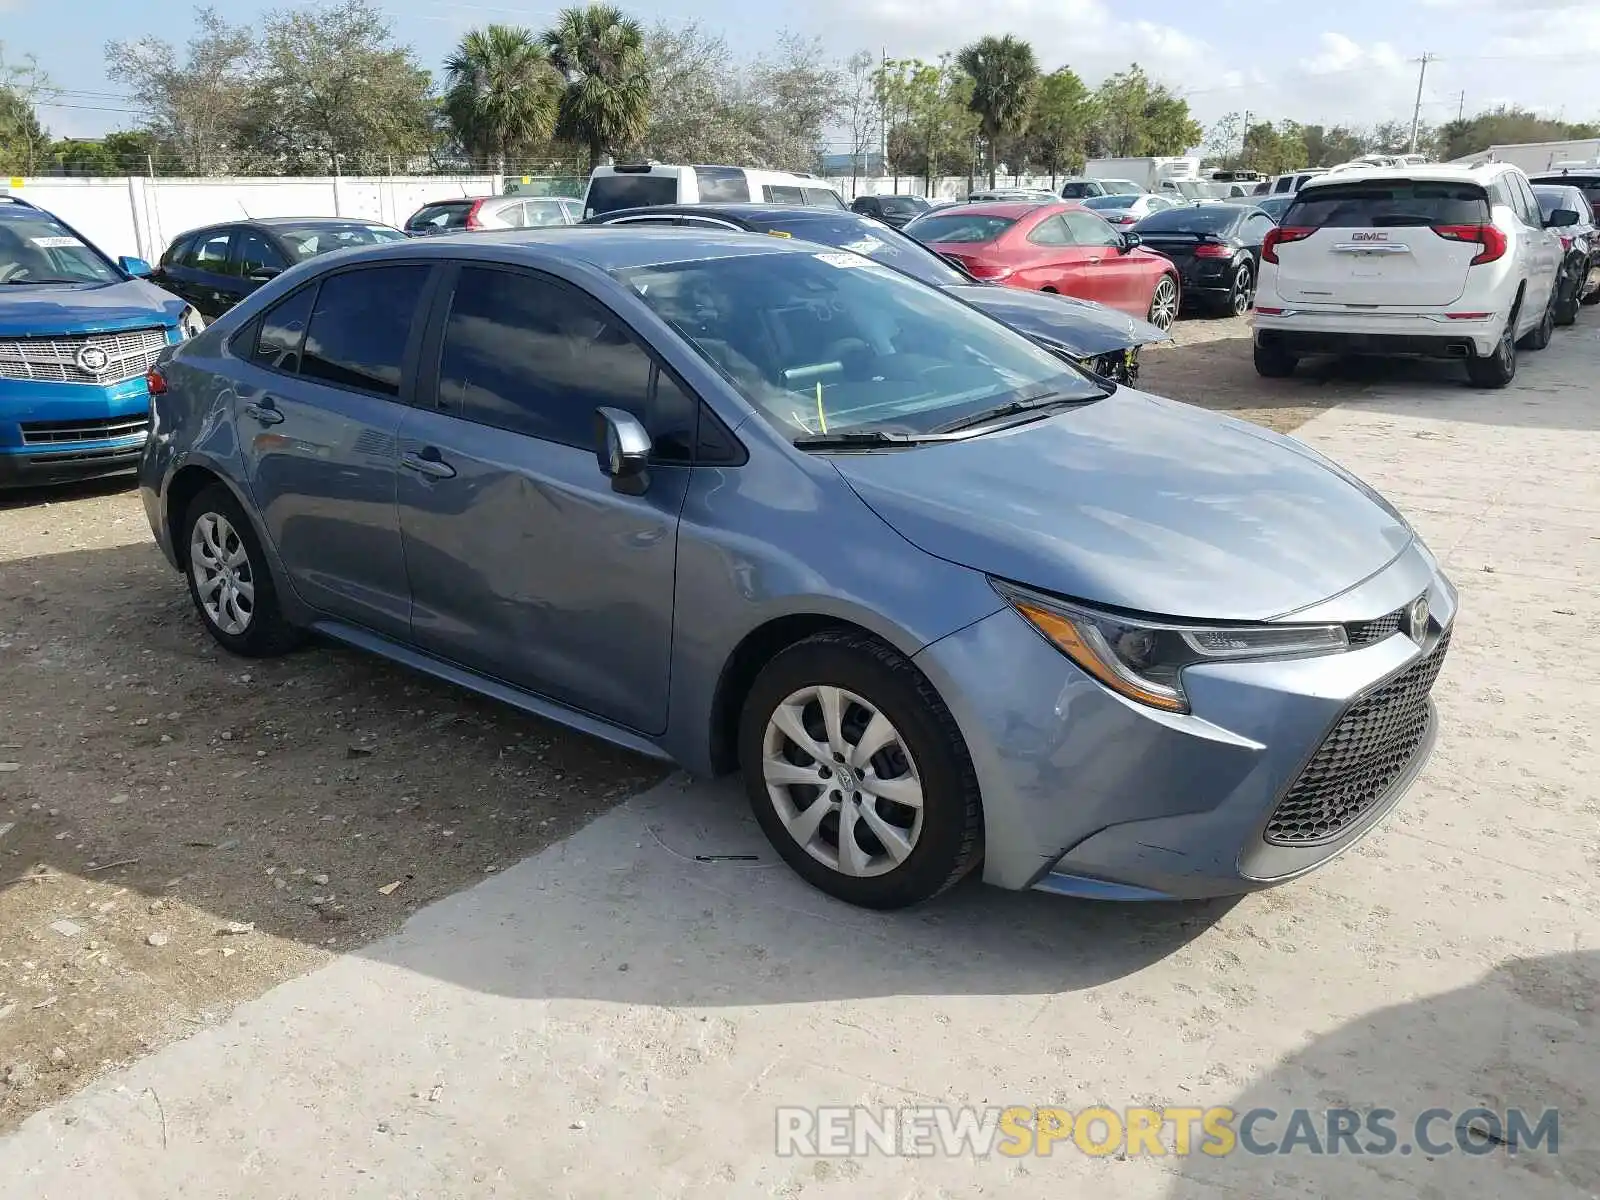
x=1178 y=176
x=1538 y=157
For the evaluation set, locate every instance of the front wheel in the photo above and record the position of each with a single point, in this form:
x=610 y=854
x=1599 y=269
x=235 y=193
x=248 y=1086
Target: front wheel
x=1566 y=305
x=858 y=774
x=229 y=579
x=1164 y=303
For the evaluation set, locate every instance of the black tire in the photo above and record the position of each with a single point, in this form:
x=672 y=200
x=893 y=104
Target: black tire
x=1272 y=363
x=1594 y=296
x=1566 y=305
x=265 y=632
x=1539 y=336
x=1241 y=297
x=950 y=842
x=1500 y=368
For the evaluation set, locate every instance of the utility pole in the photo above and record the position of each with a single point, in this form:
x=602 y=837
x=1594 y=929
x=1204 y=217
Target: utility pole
x=1461 y=106
x=883 y=111
x=1416 y=112
x=1244 y=138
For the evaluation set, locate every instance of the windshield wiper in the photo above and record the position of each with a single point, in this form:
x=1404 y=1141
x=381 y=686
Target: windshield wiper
x=24 y=281
x=1019 y=406
x=853 y=438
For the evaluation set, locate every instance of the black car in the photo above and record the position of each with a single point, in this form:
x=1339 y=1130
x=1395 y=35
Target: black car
x=216 y=267
x=891 y=210
x=1216 y=248
x=1099 y=338
x=1587 y=181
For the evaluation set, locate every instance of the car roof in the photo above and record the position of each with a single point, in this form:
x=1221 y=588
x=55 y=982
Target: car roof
x=737 y=212
x=603 y=247
x=1429 y=173
x=278 y=222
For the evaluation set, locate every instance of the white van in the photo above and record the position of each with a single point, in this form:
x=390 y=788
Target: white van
x=639 y=185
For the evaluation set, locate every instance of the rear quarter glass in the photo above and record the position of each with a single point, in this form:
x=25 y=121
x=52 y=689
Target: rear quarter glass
x=1382 y=203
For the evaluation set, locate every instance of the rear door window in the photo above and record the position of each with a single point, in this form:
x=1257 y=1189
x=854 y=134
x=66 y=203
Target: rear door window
x=1384 y=204
x=282 y=331
x=253 y=254
x=610 y=193
x=722 y=185
x=210 y=252
x=1052 y=231
x=825 y=197
x=360 y=327
x=781 y=194
x=434 y=217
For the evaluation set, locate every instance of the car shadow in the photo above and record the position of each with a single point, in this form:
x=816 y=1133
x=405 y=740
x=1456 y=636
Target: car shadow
x=327 y=796
x=1525 y=1036
x=62 y=493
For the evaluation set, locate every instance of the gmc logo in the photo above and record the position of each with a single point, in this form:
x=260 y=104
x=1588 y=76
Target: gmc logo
x=1374 y=236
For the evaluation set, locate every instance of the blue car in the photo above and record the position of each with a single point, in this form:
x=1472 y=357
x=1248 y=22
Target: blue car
x=946 y=600
x=77 y=334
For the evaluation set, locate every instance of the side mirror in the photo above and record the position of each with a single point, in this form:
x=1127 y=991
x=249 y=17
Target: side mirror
x=622 y=448
x=263 y=274
x=1561 y=218
x=138 y=268
x=1131 y=241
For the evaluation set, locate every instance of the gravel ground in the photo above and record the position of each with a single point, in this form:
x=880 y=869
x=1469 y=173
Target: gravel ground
x=180 y=830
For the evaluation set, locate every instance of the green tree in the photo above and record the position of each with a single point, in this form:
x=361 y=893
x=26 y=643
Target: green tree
x=1139 y=117
x=700 y=108
x=1506 y=125
x=1058 y=131
x=335 y=91
x=798 y=90
x=194 y=104
x=24 y=143
x=501 y=93
x=1223 y=140
x=936 y=129
x=1328 y=147
x=1005 y=77
x=605 y=105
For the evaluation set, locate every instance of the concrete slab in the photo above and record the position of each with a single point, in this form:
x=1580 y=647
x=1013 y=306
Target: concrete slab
x=614 y=1018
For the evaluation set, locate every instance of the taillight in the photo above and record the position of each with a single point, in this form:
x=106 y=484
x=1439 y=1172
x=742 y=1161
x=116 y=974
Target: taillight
x=155 y=381
x=1489 y=237
x=472 y=215
x=1280 y=236
x=983 y=270
x=1566 y=241
x=1214 y=250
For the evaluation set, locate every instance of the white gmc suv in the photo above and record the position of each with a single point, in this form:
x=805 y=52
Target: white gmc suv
x=1430 y=262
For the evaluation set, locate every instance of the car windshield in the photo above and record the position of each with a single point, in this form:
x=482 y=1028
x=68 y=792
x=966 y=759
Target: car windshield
x=1198 y=218
x=902 y=206
x=959 y=227
x=35 y=248
x=308 y=241
x=1078 y=189
x=831 y=342
x=1192 y=189
x=1121 y=187
x=873 y=240
x=1103 y=202
x=1372 y=204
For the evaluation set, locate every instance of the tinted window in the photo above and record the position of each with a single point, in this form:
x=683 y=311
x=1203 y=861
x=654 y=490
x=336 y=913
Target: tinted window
x=722 y=185
x=825 y=197
x=1256 y=228
x=1374 y=204
x=1052 y=231
x=780 y=194
x=178 y=252
x=210 y=252
x=283 y=328
x=1549 y=200
x=903 y=206
x=1089 y=230
x=1103 y=202
x=450 y=214
x=1079 y=189
x=254 y=253
x=308 y=241
x=1121 y=187
x=887 y=246
x=359 y=328
x=959 y=227
x=1589 y=185
x=537 y=358
x=1529 y=209
x=1206 y=218
x=608 y=193
x=539 y=213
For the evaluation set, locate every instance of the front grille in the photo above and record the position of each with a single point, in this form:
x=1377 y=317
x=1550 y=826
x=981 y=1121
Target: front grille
x=1365 y=633
x=125 y=355
x=1367 y=751
x=90 y=429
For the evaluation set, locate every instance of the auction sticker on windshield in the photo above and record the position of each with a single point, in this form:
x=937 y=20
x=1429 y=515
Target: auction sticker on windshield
x=844 y=260
x=56 y=243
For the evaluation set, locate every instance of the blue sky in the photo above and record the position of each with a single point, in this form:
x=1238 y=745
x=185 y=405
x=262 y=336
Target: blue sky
x=1338 y=63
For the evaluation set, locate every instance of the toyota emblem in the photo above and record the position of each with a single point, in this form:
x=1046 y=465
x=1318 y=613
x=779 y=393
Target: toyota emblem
x=93 y=360
x=1417 y=618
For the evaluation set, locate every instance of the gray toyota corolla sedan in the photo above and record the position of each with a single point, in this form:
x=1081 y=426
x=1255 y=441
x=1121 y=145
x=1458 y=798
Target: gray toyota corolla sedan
x=940 y=597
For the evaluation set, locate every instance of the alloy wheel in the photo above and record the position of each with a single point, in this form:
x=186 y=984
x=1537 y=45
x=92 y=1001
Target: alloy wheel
x=842 y=781
x=223 y=575
x=1243 y=292
x=1164 y=303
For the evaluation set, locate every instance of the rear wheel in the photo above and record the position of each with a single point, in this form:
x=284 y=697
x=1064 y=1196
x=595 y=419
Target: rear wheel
x=1164 y=303
x=1273 y=363
x=1539 y=336
x=1243 y=294
x=229 y=579
x=858 y=774
x=1500 y=368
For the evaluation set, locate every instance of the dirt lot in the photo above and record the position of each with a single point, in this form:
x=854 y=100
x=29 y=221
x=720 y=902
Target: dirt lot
x=180 y=830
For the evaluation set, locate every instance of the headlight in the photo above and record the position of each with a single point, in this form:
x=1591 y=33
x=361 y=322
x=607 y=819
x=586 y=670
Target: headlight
x=190 y=323
x=1144 y=659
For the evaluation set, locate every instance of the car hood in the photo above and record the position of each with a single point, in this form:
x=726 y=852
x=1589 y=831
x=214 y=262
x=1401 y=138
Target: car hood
x=1080 y=327
x=54 y=309
x=1140 y=503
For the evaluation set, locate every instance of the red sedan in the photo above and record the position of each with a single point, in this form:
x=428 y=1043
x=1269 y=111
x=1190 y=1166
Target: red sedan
x=1061 y=248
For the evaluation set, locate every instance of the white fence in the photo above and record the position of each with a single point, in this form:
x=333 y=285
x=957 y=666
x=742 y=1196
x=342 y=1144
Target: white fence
x=140 y=216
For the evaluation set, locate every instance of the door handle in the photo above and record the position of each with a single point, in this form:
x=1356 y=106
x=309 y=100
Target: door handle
x=263 y=412
x=1094 y=260
x=428 y=463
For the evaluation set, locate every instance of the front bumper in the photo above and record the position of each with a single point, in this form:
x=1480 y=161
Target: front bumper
x=54 y=433
x=1090 y=795
x=1386 y=335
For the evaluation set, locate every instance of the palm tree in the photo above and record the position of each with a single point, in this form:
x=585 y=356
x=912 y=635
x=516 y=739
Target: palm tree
x=606 y=104
x=501 y=92
x=1005 y=76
